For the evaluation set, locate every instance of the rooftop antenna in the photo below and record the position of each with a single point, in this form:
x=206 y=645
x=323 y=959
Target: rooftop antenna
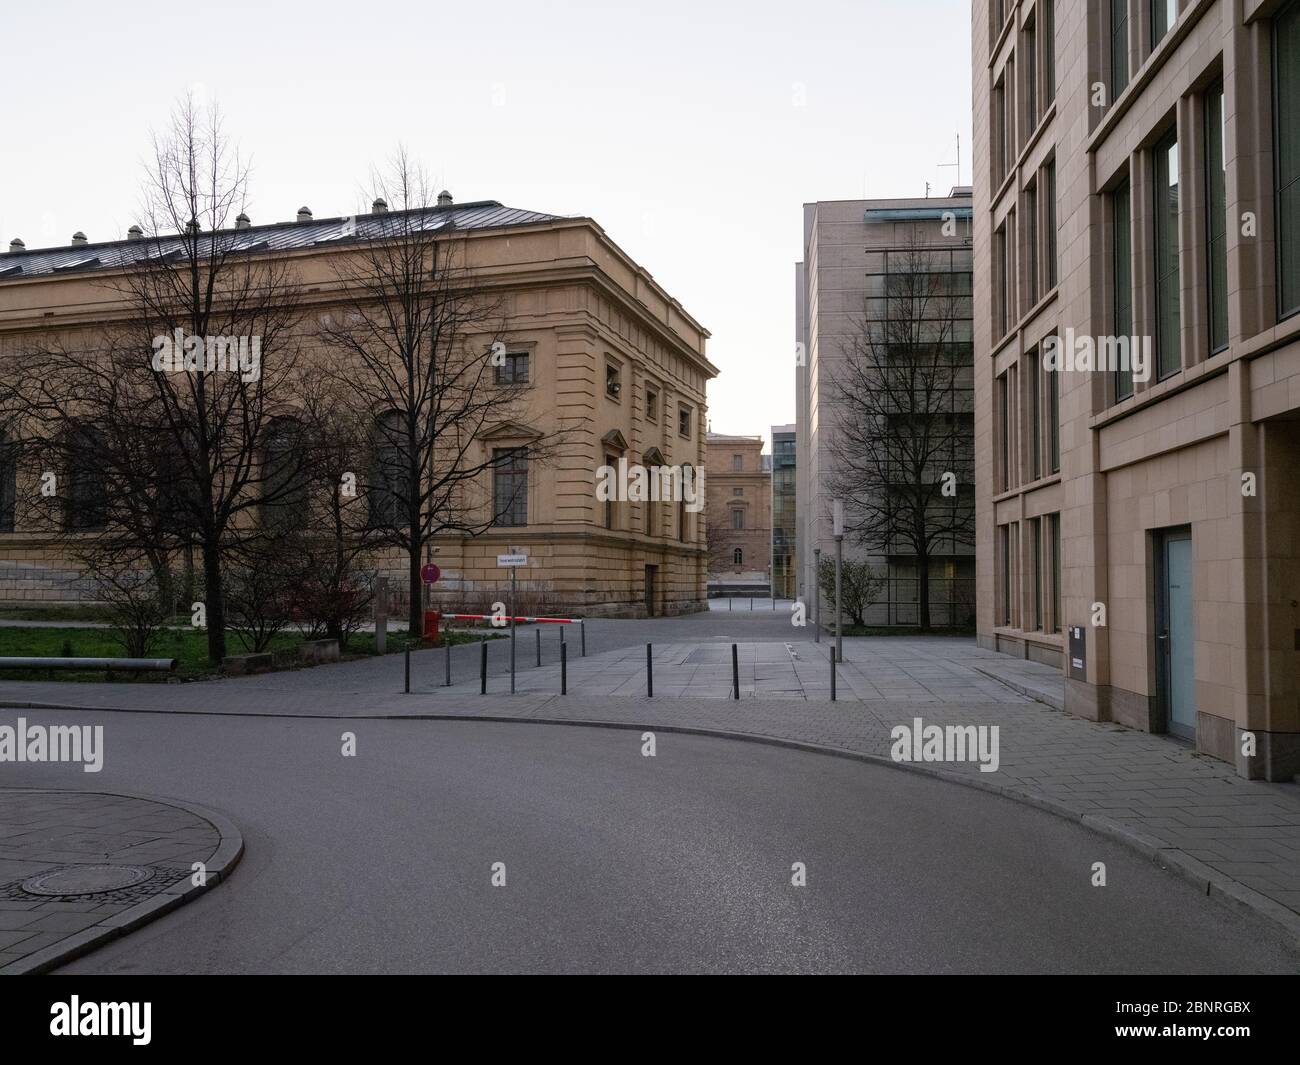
x=957 y=164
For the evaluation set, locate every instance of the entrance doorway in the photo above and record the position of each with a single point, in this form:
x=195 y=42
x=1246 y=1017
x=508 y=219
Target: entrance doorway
x=1175 y=663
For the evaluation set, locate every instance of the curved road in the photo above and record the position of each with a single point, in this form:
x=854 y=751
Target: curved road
x=619 y=862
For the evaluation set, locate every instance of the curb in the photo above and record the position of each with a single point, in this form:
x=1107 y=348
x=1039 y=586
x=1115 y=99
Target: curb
x=1023 y=689
x=1213 y=883
x=227 y=855
x=1209 y=880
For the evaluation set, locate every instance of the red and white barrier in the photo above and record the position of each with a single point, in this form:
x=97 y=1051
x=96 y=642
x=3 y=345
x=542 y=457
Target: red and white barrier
x=507 y=617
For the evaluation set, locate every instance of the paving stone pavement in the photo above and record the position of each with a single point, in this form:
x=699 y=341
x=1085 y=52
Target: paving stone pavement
x=72 y=832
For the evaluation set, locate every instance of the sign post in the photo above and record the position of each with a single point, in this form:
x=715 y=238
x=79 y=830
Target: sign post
x=512 y=562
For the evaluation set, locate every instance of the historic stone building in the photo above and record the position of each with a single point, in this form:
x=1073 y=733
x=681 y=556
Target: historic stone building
x=604 y=351
x=739 y=512
x=1138 y=191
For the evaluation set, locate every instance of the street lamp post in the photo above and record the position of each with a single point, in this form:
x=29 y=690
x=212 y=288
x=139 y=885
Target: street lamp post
x=817 y=598
x=839 y=565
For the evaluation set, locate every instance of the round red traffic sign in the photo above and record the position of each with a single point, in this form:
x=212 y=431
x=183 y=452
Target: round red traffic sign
x=429 y=573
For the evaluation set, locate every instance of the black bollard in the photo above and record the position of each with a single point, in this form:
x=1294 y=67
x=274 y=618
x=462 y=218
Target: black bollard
x=649 y=672
x=735 y=672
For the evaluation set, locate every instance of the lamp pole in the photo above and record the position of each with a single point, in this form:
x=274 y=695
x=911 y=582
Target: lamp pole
x=839 y=588
x=817 y=598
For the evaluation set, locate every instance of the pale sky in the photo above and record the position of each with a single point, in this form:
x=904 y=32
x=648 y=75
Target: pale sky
x=693 y=132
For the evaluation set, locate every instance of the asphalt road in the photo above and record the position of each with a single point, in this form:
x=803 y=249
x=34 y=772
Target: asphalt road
x=618 y=862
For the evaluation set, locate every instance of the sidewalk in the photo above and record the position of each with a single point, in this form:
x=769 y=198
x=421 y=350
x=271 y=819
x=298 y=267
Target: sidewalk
x=79 y=868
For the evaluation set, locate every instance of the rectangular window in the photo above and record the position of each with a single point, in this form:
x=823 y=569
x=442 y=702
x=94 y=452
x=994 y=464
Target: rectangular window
x=1164 y=13
x=514 y=371
x=1118 y=47
x=1049 y=221
x=737 y=491
x=1168 y=339
x=612 y=463
x=1034 y=388
x=1029 y=53
x=684 y=422
x=8 y=485
x=651 y=406
x=1001 y=278
x=1122 y=278
x=1216 y=225
x=1004 y=575
x=1004 y=434
x=737 y=519
x=1036 y=548
x=510 y=485
x=1053 y=421
x=998 y=117
x=613 y=381
x=738 y=463
x=1049 y=51
x=1031 y=242
x=1054 y=567
x=1286 y=107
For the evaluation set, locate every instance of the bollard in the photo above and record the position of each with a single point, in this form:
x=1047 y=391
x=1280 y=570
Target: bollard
x=735 y=672
x=832 y=656
x=649 y=673
x=408 y=669
x=564 y=666
x=449 y=661
x=539 y=645
x=482 y=668
x=582 y=628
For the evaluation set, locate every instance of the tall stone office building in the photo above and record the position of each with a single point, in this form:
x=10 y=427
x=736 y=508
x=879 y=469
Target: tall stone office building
x=853 y=251
x=1138 y=176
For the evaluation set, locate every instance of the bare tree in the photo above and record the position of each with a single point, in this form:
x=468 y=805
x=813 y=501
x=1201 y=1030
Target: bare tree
x=861 y=584
x=157 y=420
x=418 y=343
x=904 y=441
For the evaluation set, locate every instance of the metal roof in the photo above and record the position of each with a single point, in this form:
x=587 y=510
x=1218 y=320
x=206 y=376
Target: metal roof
x=278 y=236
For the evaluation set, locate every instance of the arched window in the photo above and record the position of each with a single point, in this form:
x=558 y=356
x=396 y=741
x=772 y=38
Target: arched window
x=738 y=557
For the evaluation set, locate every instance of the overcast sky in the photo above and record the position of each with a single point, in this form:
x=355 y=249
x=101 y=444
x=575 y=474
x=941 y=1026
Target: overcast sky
x=691 y=131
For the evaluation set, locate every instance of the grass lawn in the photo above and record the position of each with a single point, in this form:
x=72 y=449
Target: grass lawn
x=188 y=646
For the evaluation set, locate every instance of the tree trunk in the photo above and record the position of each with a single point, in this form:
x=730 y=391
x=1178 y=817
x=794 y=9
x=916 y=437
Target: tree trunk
x=923 y=590
x=214 y=602
x=413 y=588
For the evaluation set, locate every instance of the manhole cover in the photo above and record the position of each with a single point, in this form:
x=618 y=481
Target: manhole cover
x=86 y=879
